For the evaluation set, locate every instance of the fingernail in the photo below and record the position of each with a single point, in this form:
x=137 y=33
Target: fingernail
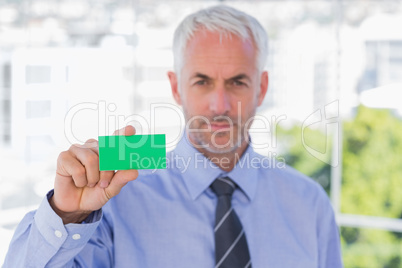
x=91 y=185
x=103 y=184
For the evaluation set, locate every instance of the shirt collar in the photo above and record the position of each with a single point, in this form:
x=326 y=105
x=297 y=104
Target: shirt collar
x=245 y=174
x=198 y=172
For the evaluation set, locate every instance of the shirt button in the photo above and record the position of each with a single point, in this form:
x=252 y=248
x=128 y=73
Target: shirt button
x=58 y=234
x=76 y=236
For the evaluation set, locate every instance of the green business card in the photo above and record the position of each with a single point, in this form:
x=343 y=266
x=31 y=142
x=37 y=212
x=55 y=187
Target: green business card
x=132 y=152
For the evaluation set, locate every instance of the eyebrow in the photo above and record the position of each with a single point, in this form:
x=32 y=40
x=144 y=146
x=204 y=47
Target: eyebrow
x=236 y=77
x=240 y=77
x=200 y=75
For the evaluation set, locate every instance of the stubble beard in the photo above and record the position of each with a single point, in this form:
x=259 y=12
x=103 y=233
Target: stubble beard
x=204 y=141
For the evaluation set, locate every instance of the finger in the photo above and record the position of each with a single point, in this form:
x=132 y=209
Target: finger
x=90 y=161
x=89 y=144
x=93 y=145
x=69 y=166
x=125 y=131
x=105 y=178
x=119 y=180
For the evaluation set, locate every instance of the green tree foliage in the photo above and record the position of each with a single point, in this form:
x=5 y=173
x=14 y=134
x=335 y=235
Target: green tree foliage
x=291 y=149
x=372 y=185
x=371 y=181
x=372 y=164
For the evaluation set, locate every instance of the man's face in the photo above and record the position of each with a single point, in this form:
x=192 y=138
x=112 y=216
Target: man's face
x=220 y=89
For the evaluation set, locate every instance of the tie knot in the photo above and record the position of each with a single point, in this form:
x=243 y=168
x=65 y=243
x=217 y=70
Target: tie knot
x=223 y=186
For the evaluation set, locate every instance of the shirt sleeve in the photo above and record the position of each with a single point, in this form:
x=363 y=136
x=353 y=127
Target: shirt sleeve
x=328 y=238
x=42 y=240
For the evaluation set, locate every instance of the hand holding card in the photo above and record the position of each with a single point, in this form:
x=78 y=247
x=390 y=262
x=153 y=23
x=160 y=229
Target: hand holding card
x=80 y=187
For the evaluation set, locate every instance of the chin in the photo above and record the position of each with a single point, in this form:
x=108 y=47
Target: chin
x=224 y=150
x=221 y=146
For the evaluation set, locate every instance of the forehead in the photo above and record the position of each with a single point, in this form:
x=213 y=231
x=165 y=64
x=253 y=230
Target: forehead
x=213 y=48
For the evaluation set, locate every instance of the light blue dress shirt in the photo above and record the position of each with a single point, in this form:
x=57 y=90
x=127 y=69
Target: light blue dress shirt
x=165 y=218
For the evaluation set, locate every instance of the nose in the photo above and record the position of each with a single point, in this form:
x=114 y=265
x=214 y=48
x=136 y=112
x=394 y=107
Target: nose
x=220 y=101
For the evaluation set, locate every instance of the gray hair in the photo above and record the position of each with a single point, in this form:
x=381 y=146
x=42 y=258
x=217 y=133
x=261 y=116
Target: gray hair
x=225 y=20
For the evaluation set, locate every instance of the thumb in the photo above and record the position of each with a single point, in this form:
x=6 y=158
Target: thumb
x=119 y=180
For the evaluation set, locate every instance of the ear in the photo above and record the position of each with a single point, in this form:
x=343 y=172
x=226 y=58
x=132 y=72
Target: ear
x=263 y=87
x=174 y=86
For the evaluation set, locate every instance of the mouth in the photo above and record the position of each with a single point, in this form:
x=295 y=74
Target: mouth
x=220 y=126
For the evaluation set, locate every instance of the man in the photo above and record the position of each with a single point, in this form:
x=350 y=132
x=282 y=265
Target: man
x=210 y=207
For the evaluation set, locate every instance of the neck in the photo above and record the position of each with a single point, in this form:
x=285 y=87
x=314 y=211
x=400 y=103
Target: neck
x=225 y=161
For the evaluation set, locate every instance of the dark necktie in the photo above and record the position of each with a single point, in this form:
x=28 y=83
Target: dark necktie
x=231 y=248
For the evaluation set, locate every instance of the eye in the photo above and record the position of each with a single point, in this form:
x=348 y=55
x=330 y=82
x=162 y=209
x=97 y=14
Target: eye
x=200 y=83
x=239 y=83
